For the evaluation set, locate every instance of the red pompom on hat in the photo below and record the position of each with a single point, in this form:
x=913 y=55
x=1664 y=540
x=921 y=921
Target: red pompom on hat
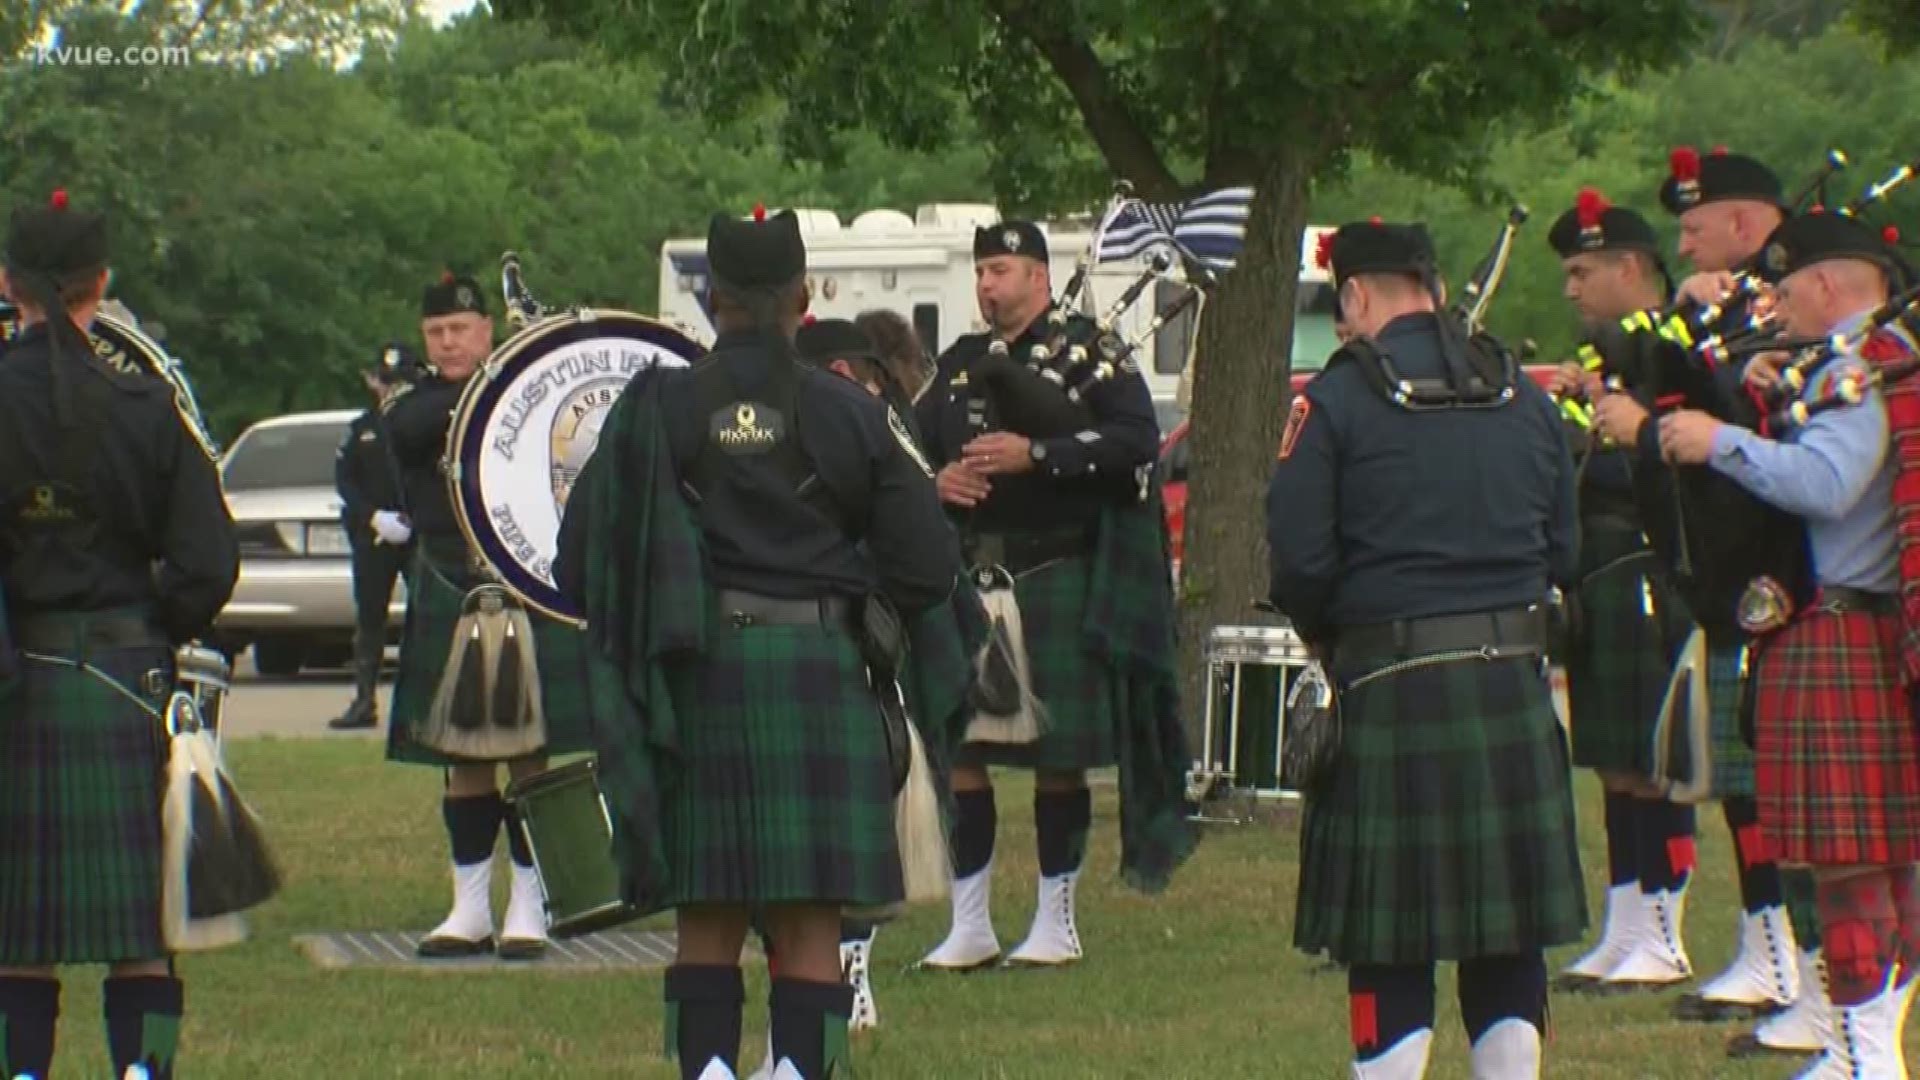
x=1719 y=151
x=1891 y=234
x=59 y=200
x=759 y=211
x=1589 y=206
x=446 y=277
x=1684 y=163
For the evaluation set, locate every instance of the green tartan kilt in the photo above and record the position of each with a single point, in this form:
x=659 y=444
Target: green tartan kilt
x=1618 y=671
x=781 y=790
x=1732 y=757
x=1075 y=684
x=82 y=772
x=433 y=611
x=1446 y=831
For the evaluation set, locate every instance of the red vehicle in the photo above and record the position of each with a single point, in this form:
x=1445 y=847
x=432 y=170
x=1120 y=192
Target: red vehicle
x=1174 y=455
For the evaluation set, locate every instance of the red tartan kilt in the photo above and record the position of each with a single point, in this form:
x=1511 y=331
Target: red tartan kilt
x=1837 y=768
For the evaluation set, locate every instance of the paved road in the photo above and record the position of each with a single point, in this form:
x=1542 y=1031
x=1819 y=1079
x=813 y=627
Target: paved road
x=295 y=708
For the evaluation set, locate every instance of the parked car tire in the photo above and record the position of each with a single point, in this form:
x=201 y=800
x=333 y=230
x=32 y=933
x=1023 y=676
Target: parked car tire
x=278 y=657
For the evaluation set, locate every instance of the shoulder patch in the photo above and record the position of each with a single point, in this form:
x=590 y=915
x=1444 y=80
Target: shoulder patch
x=1296 y=420
x=905 y=438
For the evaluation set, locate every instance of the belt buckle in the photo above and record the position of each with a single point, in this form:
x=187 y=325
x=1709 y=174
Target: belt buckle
x=155 y=682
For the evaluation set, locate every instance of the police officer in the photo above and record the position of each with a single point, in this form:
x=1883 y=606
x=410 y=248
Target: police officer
x=1050 y=501
x=811 y=506
x=1632 y=622
x=459 y=337
x=115 y=548
x=1444 y=828
x=1832 y=712
x=367 y=476
x=1726 y=204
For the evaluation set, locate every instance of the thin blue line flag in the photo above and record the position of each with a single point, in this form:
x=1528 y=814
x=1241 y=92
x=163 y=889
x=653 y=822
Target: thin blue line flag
x=1210 y=228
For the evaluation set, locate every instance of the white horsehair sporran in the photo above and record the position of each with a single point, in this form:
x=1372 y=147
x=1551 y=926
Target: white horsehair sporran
x=1005 y=708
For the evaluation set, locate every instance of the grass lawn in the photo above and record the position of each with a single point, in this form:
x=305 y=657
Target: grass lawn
x=1200 y=982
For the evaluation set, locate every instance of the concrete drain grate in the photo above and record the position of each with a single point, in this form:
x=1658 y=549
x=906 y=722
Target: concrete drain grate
x=606 y=950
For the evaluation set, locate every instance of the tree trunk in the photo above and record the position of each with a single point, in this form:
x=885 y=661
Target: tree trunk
x=1240 y=399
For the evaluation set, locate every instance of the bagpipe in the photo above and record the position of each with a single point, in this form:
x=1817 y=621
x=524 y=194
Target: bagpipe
x=1044 y=394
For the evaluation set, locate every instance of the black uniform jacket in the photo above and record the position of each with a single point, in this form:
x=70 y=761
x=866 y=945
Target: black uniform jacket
x=1378 y=513
x=1078 y=473
x=363 y=472
x=128 y=514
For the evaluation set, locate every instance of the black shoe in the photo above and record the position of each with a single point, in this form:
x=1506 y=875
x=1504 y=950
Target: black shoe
x=452 y=948
x=360 y=715
x=1692 y=1007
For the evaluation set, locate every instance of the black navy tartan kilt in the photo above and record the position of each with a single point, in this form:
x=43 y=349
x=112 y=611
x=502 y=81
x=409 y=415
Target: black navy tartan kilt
x=1074 y=683
x=82 y=773
x=1727 y=689
x=1446 y=831
x=433 y=610
x=781 y=790
x=1631 y=625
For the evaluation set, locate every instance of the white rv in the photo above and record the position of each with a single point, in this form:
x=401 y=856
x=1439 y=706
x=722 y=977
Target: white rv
x=922 y=268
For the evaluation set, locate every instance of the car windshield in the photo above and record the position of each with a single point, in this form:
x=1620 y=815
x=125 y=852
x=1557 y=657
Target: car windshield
x=1313 y=337
x=284 y=456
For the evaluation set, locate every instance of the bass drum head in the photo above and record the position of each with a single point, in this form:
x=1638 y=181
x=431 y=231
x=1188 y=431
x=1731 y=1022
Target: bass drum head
x=526 y=425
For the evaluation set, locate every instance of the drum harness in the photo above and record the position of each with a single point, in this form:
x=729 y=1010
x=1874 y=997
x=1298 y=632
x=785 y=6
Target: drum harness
x=1478 y=373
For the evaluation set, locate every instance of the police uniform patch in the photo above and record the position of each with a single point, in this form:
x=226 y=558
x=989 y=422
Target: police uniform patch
x=1776 y=257
x=905 y=438
x=746 y=427
x=1296 y=421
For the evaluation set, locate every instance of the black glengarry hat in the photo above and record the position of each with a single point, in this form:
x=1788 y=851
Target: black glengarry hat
x=56 y=241
x=1819 y=236
x=822 y=341
x=1719 y=177
x=1010 y=238
x=1594 y=224
x=764 y=253
x=1377 y=247
x=451 y=295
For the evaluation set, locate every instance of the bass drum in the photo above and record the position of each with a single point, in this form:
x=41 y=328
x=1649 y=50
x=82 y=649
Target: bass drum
x=528 y=421
x=120 y=344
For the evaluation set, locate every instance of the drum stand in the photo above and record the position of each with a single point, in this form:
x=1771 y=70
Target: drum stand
x=1250 y=670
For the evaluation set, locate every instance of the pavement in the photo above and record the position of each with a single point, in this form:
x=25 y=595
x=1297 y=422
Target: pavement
x=298 y=707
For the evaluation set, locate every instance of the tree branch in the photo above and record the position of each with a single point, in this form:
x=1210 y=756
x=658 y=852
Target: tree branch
x=1115 y=130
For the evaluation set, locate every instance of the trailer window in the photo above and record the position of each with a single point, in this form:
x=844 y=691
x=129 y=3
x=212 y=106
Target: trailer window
x=926 y=323
x=1175 y=340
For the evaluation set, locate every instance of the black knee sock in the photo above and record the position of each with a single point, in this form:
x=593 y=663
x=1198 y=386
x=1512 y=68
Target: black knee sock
x=975 y=821
x=143 y=1022
x=1387 y=1003
x=29 y=1011
x=1666 y=845
x=1060 y=823
x=1498 y=988
x=1759 y=875
x=516 y=838
x=810 y=1025
x=1623 y=838
x=704 y=1002
x=473 y=824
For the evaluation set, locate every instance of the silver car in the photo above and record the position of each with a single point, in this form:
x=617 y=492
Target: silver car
x=294 y=600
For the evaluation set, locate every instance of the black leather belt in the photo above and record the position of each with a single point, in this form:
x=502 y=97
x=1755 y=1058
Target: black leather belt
x=1019 y=552
x=1514 y=632
x=744 y=609
x=1840 y=599
x=67 y=632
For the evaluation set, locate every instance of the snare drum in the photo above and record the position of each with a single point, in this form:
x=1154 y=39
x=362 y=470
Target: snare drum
x=570 y=833
x=205 y=676
x=1250 y=670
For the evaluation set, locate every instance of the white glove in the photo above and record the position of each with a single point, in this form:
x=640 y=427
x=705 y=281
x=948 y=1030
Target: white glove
x=391 y=527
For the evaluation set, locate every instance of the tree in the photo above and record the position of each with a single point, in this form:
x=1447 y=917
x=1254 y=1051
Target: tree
x=1176 y=99
x=220 y=31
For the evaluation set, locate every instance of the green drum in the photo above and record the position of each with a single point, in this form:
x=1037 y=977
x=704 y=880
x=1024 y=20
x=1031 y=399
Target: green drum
x=1250 y=670
x=570 y=834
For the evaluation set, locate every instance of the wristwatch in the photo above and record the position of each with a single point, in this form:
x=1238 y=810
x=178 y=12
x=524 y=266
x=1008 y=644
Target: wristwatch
x=1037 y=451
